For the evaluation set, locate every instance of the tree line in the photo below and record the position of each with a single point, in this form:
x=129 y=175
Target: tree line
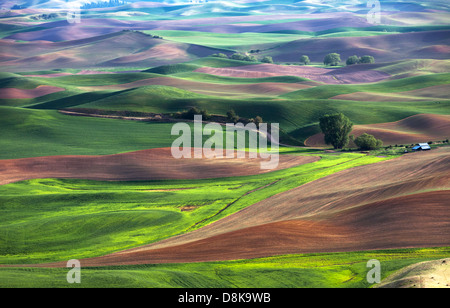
x=243 y=57
x=231 y=116
x=102 y=4
x=334 y=59
x=331 y=59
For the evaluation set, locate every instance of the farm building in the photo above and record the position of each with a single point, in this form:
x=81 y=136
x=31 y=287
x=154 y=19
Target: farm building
x=421 y=147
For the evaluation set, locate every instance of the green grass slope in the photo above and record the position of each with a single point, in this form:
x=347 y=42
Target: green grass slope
x=326 y=270
x=51 y=220
x=28 y=133
x=390 y=86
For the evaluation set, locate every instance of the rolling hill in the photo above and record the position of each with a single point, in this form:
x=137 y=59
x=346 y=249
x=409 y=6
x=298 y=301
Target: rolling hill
x=87 y=112
x=123 y=48
x=384 y=48
x=381 y=210
x=411 y=130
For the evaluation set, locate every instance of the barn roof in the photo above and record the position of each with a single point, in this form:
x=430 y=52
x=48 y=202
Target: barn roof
x=423 y=146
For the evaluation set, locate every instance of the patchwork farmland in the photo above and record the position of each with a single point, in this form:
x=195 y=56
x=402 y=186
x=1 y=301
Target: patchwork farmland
x=87 y=117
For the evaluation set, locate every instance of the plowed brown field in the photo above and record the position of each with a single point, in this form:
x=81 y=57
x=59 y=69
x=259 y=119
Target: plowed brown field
x=13 y=93
x=152 y=164
x=398 y=203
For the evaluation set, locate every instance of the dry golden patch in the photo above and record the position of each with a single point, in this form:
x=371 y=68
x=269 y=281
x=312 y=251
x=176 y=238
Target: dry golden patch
x=188 y=208
x=429 y=274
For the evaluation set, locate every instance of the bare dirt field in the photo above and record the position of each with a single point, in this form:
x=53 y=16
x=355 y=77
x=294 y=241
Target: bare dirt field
x=13 y=93
x=398 y=203
x=152 y=164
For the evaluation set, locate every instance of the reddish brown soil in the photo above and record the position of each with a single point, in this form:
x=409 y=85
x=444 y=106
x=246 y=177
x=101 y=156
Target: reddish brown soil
x=14 y=93
x=152 y=164
x=411 y=130
x=398 y=203
x=392 y=223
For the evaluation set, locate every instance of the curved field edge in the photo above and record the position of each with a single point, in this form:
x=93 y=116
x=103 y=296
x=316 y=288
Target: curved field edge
x=64 y=219
x=426 y=274
x=323 y=270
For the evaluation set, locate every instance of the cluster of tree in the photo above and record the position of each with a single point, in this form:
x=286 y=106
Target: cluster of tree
x=233 y=117
x=102 y=4
x=267 y=59
x=336 y=129
x=191 y=112
x=18 y=7
x=331 y=59
x=356 y=60
x=45 y=16
x=243 y=57
x=334 y=59
x=367 y=142
x=147 y=34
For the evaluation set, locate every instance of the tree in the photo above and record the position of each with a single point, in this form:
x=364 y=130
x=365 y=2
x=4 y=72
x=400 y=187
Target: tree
x=232 y=116
x=352 y=60
x=220 y=55
x=367 y=59
x=332 y=59
x=267 y=59
x=336 y=128
x=243 y=57
x=368 y=142
x=258 y=120
x=250 y=58
x=237 y=56
x=189 y=114
x=305 y=60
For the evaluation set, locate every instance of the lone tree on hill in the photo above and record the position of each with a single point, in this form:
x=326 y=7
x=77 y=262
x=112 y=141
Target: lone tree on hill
x=368 y=142
x=332 y=59
x=305 y=60
x=336 y=128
